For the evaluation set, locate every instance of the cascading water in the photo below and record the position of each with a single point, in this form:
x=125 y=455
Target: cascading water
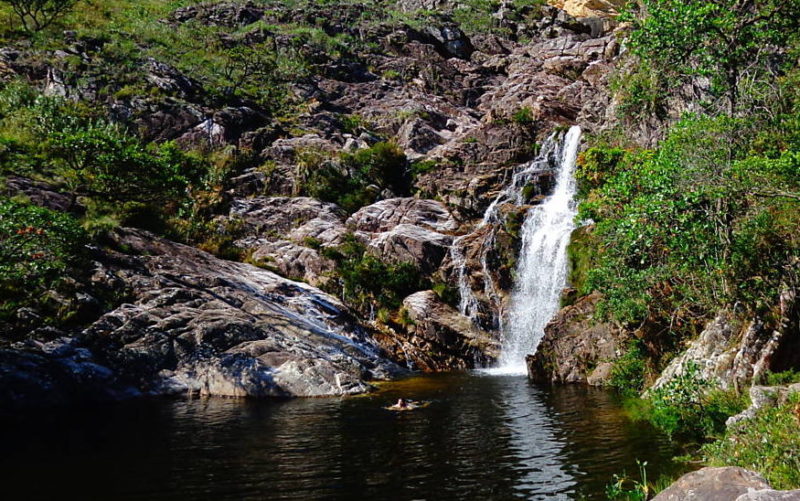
x=542 y=264
x=512 y=193
x=541 y=271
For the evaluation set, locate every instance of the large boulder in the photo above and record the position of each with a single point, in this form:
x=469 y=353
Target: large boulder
x=406 y=230
x=436 y=337
x=386 y=214
x=575 y=348
x=723 y=484
x=198 y=324
x=407 y=243
x=284 y=234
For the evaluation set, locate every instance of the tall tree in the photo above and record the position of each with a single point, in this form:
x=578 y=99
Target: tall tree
x=724 y=40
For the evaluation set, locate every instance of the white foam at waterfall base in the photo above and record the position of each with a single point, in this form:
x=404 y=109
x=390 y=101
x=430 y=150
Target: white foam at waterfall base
x=542 y=265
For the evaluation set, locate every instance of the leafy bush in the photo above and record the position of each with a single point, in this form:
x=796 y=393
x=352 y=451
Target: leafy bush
x=39 y=248
x=768 y=443
x=689 y=406
x=364 y=281
x=116 y=176
x=358 y=178
x=523 y=116
x=719 y=39
x=627 y=374
x=779 y=378
x=703 y=221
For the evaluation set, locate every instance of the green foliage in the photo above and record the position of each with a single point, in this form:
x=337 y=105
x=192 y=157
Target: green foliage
x=641 y=91
x=39 y=248
x=364 y=281
x=421 y=167
x=779 y=378
x=724 y=40
x=627 y=374
x=358 y=178
x=35 y=15
x=703 y=221
x=446 y=293
x=768 y=444
x=113 y=174
x=100 y=160
x=523 y=116
x=623 y=488
x=689 y=406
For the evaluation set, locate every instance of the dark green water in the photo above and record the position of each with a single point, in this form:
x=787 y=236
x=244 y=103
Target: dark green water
x=482 y=437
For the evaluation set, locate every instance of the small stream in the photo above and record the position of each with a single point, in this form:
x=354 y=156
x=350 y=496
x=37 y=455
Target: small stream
x=481 y=437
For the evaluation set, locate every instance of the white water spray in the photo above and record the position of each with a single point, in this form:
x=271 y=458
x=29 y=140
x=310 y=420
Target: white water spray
x=512 y=193
x=542 y=265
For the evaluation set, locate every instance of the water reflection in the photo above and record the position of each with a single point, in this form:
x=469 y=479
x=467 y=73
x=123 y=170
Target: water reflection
x=481 y=437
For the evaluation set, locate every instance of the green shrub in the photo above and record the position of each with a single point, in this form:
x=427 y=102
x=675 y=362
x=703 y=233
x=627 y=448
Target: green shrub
x=689 y=406
x=684 y=229
x=358 y=178
x=523 y=116
x=364 y=281
x=780 y=378
x=769 y=444
x=39 y=249
x=627 y=374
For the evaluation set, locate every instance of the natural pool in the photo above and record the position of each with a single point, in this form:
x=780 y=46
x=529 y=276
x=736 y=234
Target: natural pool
x=481 y=437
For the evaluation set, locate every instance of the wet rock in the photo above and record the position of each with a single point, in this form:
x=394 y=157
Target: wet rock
x=437 y=337
x=194 y=315
x=55 y=373
x=576 y=349
x=723 y=484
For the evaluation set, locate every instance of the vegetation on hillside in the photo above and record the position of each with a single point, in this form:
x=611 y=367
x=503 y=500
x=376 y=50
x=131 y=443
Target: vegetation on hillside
x=706 y=218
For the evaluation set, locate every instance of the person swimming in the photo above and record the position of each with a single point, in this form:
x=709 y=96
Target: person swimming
x=407 y=405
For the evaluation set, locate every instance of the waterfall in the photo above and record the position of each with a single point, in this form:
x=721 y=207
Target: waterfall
x=542 y=265
x=512 y=193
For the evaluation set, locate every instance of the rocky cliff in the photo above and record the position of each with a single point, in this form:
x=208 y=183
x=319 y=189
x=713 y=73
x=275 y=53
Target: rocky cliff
x=463 y=105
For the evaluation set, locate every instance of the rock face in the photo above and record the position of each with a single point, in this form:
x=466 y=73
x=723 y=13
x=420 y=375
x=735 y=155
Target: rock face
x=733 y=353
x=587 y=8
x=437 y=337
x=197 y=323
x=204 y=325
x=723 y=484
x=575 y=349
x=761 y=397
